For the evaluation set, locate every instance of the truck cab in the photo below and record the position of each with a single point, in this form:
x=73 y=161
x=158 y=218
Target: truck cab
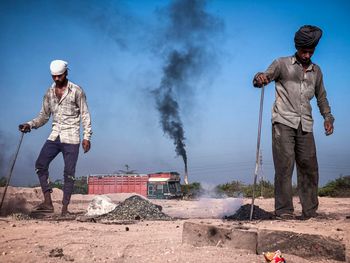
x=164 y=186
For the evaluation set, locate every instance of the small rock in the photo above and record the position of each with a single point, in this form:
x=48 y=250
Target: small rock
x=13 y=225
x=68 y=258
x=4 y=253
x=56 y=252
x=126 y=228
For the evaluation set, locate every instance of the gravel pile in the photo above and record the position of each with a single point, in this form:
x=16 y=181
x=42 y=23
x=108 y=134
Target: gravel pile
x=20 y=216
x=243 y=213
x=135 y=208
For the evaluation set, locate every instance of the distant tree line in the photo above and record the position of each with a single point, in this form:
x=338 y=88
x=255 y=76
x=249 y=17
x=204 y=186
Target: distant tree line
x=80 y=185
x=339 y=187
x=3 y=181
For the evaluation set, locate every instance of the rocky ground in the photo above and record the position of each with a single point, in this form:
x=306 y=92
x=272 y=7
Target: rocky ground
x=57 y=239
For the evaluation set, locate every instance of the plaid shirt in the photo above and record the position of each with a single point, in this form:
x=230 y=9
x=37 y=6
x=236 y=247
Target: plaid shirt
x=66 y=114
x=294 y=91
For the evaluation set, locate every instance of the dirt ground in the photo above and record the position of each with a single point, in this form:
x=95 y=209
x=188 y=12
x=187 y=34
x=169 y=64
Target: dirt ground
x=60 y=240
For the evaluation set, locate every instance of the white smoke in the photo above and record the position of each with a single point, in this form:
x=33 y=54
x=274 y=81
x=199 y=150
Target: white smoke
x=210 y=204
x=216 y=204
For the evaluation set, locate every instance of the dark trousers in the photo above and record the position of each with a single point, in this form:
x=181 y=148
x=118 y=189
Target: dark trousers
x=48 y=152
x=291 y=146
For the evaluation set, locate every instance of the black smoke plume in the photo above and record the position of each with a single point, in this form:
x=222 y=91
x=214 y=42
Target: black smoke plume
x=188 y=48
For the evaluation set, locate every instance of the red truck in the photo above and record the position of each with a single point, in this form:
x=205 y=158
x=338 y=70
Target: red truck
x=162 y=185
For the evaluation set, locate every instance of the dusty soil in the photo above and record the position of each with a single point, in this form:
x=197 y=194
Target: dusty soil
x=56 y=239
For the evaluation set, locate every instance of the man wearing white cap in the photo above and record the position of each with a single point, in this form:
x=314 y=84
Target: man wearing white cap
x=66 y=102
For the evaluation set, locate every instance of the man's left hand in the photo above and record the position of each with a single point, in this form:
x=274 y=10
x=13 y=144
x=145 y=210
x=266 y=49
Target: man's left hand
x=329 y=128
x=86 y=145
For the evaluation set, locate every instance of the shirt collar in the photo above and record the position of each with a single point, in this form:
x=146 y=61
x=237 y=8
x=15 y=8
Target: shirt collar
x=295 y=61
x=69 y=85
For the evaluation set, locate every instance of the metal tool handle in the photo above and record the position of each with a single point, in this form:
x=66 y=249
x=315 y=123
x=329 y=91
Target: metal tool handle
x=257 y=151
x=11 y=169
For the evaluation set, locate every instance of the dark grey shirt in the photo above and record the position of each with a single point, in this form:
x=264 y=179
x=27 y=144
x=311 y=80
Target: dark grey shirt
x=294 y=91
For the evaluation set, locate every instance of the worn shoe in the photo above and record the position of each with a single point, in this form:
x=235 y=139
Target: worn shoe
x=309 y=216
x=66 y=213
x=285 y=216
x=43 y=208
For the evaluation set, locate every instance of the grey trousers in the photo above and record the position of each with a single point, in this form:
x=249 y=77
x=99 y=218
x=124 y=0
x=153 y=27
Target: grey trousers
x=291 y=146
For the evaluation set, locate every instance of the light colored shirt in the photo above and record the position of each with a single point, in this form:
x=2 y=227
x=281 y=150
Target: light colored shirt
x=294 y=91
x=66 y=114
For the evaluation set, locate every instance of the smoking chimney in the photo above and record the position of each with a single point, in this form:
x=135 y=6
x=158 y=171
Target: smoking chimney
x=188 y=50
x=186 y=174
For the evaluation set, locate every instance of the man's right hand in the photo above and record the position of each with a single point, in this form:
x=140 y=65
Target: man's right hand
x=328 y=126
x=25 y=127
x=261 y=80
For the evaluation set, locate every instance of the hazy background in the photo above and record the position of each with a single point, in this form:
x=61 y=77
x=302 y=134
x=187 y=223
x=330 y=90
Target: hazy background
x=118 y=51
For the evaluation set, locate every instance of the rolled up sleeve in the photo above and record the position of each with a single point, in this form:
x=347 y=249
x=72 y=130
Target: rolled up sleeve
x=44 y=114
x=272 y=72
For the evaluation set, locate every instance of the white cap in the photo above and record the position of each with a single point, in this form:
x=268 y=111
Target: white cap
x=58 y=67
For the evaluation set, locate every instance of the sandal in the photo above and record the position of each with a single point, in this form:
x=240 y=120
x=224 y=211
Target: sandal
x=43 y=208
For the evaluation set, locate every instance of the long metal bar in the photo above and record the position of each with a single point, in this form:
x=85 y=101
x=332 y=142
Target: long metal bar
x=11 y=169
x=257 y=151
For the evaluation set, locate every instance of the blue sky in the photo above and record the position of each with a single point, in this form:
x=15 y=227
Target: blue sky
x=116 y=51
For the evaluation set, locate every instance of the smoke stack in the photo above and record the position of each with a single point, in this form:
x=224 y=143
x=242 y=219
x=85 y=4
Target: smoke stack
x=189 y=49
x=174 y=72
x=186 y=174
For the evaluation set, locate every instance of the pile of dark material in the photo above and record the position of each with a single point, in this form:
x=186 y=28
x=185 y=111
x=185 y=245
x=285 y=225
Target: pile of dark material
x=135 y=208
x=243 y=213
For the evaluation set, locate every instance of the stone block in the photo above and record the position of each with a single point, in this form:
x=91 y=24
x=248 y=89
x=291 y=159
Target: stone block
x=303 y=245
x=202 y=234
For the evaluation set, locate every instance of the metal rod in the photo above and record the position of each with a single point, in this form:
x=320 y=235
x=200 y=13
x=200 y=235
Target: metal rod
x=257 y=151
x=11 y=169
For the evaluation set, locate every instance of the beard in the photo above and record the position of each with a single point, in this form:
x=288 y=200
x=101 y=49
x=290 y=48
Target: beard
x=60 y=82
x=304 y=62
